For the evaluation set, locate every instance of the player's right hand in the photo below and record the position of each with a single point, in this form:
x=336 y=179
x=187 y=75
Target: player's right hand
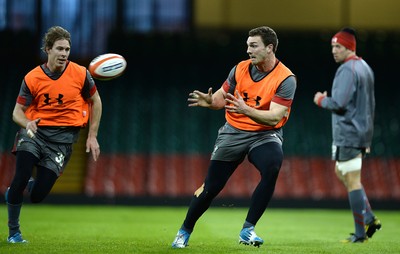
x=197 y=98
x=31 y=127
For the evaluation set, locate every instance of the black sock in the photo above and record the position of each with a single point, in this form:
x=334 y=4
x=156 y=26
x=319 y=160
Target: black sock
x=13 y=218
x=248 y=224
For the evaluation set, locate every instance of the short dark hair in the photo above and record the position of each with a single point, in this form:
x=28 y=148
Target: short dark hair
x=349 y=30
x=267 y=34
x=54 y=34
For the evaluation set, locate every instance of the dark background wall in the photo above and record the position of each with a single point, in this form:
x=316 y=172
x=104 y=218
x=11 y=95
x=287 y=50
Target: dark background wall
x=198 y=61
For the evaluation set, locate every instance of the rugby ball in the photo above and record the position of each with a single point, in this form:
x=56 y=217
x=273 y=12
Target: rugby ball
x=107 y=66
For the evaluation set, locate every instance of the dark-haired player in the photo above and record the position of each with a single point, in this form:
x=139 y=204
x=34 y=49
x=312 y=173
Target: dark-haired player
x=257 y=98
x=352 y=104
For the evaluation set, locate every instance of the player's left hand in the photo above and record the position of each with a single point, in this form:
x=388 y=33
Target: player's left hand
x=236 y=104
x=93 y=146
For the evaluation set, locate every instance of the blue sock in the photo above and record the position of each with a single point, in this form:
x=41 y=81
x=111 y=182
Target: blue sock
x=357 y=205
x=369 y=215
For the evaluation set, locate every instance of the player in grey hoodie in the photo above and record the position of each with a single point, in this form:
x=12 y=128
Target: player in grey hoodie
x=352 y=103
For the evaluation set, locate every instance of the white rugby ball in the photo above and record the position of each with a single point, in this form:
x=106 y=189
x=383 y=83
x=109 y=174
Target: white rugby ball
x=107 y=66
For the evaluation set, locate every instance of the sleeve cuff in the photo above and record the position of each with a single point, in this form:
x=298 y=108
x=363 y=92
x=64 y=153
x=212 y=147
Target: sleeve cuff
x=319 y=102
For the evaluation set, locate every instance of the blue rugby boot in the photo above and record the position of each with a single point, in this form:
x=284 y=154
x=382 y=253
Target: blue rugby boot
x=16 y=238
x=181 y=239
x=248 y=237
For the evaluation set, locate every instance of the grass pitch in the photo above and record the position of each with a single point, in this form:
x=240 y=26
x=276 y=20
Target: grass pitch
x=130 y=229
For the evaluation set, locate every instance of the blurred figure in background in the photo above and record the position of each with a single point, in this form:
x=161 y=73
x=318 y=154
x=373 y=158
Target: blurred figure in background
x=55 y=101
x=257 y=98
x=352 y=104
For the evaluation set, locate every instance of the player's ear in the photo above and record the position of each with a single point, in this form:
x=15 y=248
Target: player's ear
x=270 y=48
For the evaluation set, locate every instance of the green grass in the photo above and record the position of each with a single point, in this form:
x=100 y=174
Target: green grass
x=130 y=229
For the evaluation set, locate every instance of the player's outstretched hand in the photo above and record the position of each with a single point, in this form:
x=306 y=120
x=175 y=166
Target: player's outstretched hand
x=199 y=99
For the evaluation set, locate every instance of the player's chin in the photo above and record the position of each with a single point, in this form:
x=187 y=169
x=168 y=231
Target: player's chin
x=61 y=63
x=337 y=60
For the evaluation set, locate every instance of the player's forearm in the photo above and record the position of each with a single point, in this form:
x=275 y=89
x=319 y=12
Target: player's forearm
x=218 y=100
x=269 y=117
x=265 y=117
x=94 y=124
x=19 y=117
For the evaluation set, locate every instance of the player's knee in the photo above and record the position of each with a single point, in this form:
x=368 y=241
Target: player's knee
x=276 y=165
x=272 y=168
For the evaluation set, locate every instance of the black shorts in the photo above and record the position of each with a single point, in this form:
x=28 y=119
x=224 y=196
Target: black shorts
x=51 y=155
x=233 y=144
x=345 y=153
